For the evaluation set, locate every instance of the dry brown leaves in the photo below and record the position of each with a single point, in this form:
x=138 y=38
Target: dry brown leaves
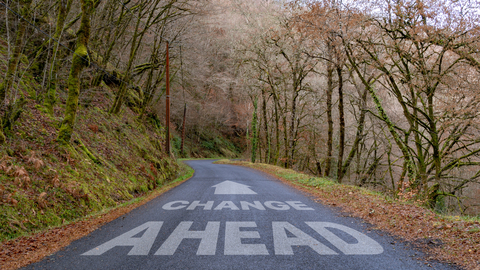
x=37 y=163
x=93 y=128
x=29 y=249
x=20 y=175
x=451 y=240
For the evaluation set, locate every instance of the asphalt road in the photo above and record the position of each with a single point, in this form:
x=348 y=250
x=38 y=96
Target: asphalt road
x=229 y=217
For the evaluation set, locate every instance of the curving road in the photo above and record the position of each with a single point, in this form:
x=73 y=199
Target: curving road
x=229 y=217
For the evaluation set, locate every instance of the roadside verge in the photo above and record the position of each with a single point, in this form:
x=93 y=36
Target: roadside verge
x=25 y=250
x=450 y=239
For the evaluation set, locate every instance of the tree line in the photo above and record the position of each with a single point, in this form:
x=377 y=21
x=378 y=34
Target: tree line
x=375 y=93
x=119 y=44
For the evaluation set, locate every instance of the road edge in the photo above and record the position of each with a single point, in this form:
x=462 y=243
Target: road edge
x=26 y=250
x=435 y=247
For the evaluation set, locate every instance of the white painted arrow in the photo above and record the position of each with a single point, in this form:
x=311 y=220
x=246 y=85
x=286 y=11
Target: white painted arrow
x=229 y=187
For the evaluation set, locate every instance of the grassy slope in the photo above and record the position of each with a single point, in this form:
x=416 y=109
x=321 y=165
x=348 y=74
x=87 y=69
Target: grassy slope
x=450 y=239
x=111 y=160
x=25 y=250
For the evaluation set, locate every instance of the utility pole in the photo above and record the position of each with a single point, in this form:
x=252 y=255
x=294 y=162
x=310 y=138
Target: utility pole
x=167 y=115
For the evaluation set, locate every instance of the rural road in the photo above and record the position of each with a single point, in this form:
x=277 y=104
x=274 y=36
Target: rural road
x=230 y=217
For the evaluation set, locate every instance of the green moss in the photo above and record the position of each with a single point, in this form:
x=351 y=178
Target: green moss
x=134 y=99
x=317 y=182
x=80 y=57
x=28 y=87
x=24 y=59
x=88 y=152
x=2 y=137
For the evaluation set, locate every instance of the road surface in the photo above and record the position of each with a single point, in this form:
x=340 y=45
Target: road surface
x=230 y=217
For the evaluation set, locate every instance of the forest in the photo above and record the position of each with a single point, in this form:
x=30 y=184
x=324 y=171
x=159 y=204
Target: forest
x=380 y=94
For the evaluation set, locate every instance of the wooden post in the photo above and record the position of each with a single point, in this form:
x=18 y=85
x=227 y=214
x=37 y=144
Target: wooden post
x=167 y=77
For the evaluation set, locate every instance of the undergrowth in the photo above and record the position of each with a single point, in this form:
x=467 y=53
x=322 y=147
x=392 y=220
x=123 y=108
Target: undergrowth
x=212 y=144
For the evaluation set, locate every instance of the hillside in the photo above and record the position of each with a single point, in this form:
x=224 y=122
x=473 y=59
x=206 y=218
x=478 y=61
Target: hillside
x=111 y=159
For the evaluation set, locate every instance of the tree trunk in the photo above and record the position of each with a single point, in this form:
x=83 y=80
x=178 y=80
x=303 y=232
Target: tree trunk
x=285 y=140
x=254 y=131
x=50 y=99
x=328 y=160
x=154 y=15
x=435 y=145
x=12 y=67
x=293 y=137
x=265 y=127
x=359 y=135
x=79 y=62
x=285 y=131
x=313 y=146
x=183 y=130
x=15 y=58
x=341 y=118
x=277 y=131
x=117 y=104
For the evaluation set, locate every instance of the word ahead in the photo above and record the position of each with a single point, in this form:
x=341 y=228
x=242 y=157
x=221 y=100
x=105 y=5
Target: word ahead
x=275 y=205
x=282 y=241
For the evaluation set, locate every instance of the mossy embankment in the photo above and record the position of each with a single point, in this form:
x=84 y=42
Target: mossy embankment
x=25 y=250
x=110 y=160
